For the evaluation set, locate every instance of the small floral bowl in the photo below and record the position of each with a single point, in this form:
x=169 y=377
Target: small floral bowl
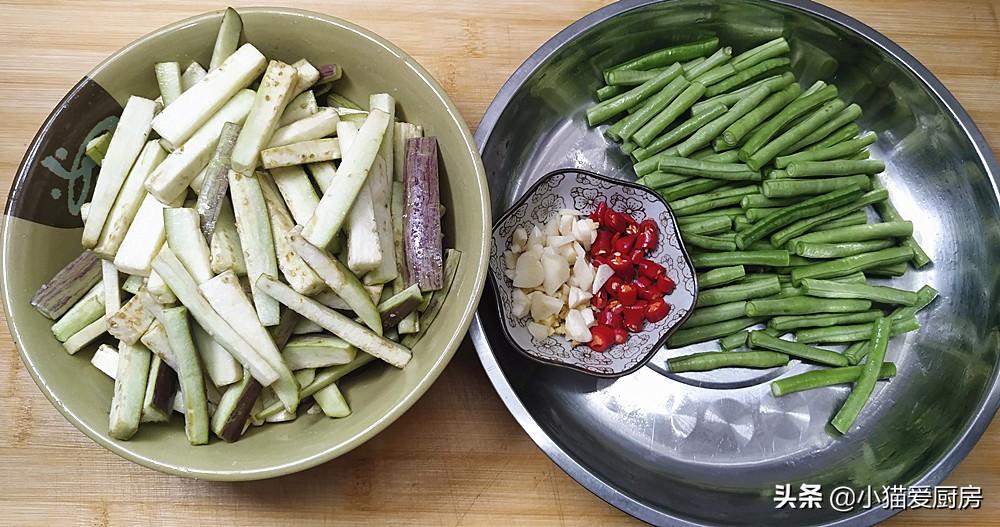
x=583 y=190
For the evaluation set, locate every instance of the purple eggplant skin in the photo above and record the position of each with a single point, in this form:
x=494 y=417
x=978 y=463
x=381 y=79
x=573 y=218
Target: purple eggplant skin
x=422 y=248
x=68 y=285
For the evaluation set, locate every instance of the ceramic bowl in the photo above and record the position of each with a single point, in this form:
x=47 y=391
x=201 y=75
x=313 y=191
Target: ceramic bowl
x=41 y=233
x=583 y=190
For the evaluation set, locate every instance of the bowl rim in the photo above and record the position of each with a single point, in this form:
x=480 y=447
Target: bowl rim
x=935 y=472
x=655 y=347
x=478 y=272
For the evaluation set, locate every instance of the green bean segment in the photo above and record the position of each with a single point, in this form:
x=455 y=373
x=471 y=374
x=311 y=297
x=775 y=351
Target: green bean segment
x=668 y=56
x=836 y=167
x=853 y=332
x=859 y=233
x=865 y=384
x=719 y=276
x=875 y=293
x=811 y=380
x=738 y=291
x=840 y=150
x=712 y=360
x=777 y=258
x=790 y=322
x=837 y=250
x=806 y=222
x=684 y=337
x=796 y=349
x=647 y=163
x=709 y=169
x=850 y=264
x=804 y=306
x=783 y=188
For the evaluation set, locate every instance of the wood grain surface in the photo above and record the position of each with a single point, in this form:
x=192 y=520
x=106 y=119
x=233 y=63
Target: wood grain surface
x=457 y=457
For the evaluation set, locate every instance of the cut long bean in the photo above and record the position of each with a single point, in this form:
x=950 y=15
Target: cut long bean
x=679 y=132
x=732 y=135
x=776 y=258
x=835 y=167
x=721 y=56
x=858 y=233
x=716 y=313
x=707 y=225
x=632 y=77
x=719 y=276
x=752 y=201
x=790 y=322
x=804 y=209
x=657 y=180
x=685 y=337
x=738 y=291
x=888 y=212
x=708 y=169
x=644 y=135
x=925 y=295
x=799 y=107
x=820 y=217
x=742 y=76
x=774 y=84
x=713 y=200
x=768 y=307
x=858 y=217
x=796 y=349
x=783 y=187
x=668 y=56
x=736 y=340
x=847 y=116
x=850 y=264
x=837 y=151
x=766 y=153
x=811 y=380
x=693 y=187
x=628 y=126
x=844 y=133
x=875 y=293
x=767 y=50
x=866 y=380
x=837 y=250
x=713 y=129
x=853 y=332
x=603 y=111
x=709 y=243
x=712 y=360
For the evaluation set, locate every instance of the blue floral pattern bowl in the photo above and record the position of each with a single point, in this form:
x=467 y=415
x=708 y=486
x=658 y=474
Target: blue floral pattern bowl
x=583 y=190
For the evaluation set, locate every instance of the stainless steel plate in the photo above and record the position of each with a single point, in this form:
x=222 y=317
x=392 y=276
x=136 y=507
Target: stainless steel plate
x=710 y=449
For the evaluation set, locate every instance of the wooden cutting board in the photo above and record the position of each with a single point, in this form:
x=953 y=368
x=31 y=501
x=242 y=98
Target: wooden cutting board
x=457 y=457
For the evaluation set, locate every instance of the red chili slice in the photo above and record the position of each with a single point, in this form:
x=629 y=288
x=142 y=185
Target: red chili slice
x=636 y=256
x=602 y=244
x=612 y=285
x=598 y=215
x=616 y=221
x=647 y=235
x=665 y=284
x=601 y=337
x=650 y=269
x=656 y=310
x=621 y=335
x=622 y=268
x=633 y=316
x=648 y=293
x=627 y=294
x=623 y=244
x=600 y=300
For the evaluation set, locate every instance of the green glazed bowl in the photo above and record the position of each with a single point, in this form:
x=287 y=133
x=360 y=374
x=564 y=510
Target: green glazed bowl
x=41 y=233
